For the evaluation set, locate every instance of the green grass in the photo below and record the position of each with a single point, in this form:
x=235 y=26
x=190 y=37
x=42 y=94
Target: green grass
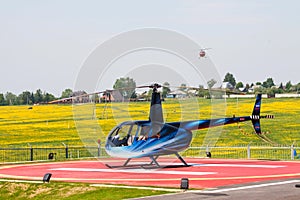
x=64 y=191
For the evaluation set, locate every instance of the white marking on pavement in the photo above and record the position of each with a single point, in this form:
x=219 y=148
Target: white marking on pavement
x=239 y=165
x=136 y=171
x=138 y=187
x=251 y=186
x=19 y=181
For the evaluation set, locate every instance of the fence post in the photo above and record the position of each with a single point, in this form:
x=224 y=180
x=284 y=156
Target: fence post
x=208 y=153
x=67 y=149
x=292 y=152
x=67 y=153
x=248 y=151
x=99 y=148
x=31 y=153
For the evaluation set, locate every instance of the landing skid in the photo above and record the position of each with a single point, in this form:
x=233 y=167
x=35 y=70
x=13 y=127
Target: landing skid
x=153 y=164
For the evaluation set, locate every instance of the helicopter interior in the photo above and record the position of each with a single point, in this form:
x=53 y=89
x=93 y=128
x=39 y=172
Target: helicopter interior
x=126 y=134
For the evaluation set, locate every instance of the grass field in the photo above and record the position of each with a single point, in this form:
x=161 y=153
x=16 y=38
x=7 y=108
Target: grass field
x=56 y=190
x=52 y=125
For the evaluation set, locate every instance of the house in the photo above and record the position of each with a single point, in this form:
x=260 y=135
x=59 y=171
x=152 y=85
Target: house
x=112 y=95
x=254 y=88
x=227 y=85
x=177 y=94
x=80 y=97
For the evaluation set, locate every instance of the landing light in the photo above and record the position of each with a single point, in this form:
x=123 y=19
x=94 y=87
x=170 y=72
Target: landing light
x=46 y=178
x=208 y=154
x=184 y=184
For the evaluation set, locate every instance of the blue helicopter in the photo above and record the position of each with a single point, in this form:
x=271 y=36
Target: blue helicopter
x=153 y=138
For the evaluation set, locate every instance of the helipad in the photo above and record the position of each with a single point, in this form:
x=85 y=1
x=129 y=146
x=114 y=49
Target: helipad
x=203 y=173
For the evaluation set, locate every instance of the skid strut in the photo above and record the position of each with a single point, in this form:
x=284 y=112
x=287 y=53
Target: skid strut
x=151 y=164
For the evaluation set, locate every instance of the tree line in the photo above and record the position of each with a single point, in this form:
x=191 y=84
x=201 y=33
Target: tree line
x=30 y=98
x=265 y=87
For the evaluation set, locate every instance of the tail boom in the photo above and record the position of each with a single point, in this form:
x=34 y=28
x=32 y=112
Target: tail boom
x=202 y=124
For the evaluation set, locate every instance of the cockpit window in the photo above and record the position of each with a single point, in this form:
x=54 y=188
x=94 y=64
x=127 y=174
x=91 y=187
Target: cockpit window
x=124 y=135
x=134 y=130
x=124 y=131
x=143 y=134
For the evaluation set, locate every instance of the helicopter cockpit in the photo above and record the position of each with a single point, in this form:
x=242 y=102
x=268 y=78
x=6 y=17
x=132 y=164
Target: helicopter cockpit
x=126 y=133
x=122 y=135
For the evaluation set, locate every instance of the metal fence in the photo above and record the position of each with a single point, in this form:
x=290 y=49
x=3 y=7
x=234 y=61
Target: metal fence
x=13 y=155
x=246 y=152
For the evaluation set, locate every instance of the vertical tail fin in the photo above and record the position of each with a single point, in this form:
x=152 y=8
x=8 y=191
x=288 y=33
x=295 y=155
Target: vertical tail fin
x=156 y=114
x=256 y=109
x=256 y=114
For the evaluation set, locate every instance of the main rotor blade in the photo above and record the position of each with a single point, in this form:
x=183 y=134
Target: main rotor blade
x=101 y=92
x=229 y=91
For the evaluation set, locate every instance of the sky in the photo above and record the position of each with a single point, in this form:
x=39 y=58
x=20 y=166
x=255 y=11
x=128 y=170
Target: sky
x=43 y=44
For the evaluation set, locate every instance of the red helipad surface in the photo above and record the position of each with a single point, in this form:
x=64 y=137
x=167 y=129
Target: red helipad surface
x=204 y=173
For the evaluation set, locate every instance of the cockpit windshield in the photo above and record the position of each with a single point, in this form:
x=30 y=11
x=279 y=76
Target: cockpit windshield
x=127 y=133
x=123 y=135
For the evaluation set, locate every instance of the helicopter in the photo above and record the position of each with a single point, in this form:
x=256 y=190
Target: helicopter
x=154 y=137
x=202 y=52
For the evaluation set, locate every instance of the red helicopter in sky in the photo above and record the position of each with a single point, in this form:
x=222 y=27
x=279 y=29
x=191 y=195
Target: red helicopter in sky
x=202 y=52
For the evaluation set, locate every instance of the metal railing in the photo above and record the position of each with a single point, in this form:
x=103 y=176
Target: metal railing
x=29 y=154
x=246 y=152
x=13 y=155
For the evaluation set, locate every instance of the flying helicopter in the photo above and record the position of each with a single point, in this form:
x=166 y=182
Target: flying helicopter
x=202 y=52
x=154 y=137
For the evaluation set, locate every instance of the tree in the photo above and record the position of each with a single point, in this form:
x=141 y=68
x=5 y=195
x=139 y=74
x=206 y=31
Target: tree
x=2 y=100
x=271 y=92
x=239 y=85
x=281 y=86
x=127 y=87
x=297 y=88
x=24 y=97
x=31 y=98
x=288 y=86
x=229 y=78
x=66 y=93
x=202 y=92
x=38 y=96
x=11 y=99
x=268 y=83
x=165 y=89
x=48 y=97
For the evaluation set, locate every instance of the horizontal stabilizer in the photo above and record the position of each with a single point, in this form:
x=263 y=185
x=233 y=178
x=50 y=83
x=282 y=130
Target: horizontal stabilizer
x=268 y=116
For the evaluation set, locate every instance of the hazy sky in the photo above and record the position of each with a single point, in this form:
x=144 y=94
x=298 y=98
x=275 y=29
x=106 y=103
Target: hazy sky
x=43 y=44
